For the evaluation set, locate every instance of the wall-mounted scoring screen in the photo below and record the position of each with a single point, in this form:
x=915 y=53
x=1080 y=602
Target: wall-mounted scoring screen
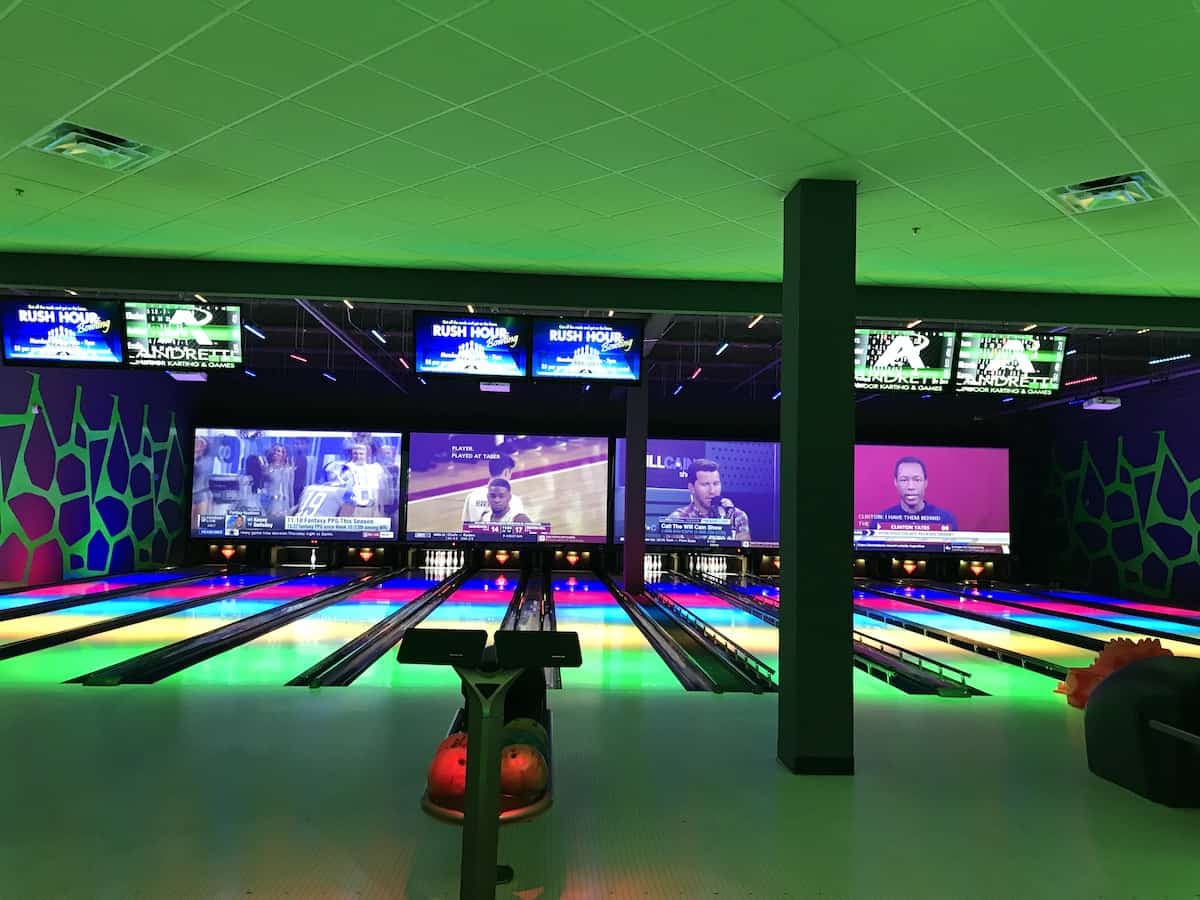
x=931 y=499
x=705 y=493
x=183 y=335
x=79 y=332
x=587 y=350
x=506 y=488
x=900 y=360
x=1009 y=363
x=494 y=346
x=276 y=483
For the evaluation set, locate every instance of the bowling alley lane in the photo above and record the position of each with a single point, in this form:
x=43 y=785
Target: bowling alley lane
x=952 y=600
x=479 y=602
x=65 y=589
x=989 y=675
x=615 y=654
x=56 y=664
x=751 y=632
x=1126 y=618
x=1133 y=606
x=278 y=656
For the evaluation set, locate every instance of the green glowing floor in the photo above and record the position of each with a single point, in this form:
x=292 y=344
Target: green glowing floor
x=190 y=791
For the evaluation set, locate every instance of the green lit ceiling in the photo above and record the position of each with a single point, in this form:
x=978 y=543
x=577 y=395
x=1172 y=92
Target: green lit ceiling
x=636 y=137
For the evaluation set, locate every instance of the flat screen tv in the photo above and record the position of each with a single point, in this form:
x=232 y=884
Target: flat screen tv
x=507 y=488
x=887 y=359
x=920 y=499
x=705 y=493
x=1016 y=364
x=62 y=332
x=485 y=346
x=285 y=483
x=198 y=336
x=583 y=350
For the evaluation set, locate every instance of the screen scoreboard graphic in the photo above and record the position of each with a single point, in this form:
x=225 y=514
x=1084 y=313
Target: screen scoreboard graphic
x=509 y=488
x=899 y=360
x=277 y=483
x=1009 y=363
x=79 y=332
x=183 y=335
x=590 y=351
x=495 y=346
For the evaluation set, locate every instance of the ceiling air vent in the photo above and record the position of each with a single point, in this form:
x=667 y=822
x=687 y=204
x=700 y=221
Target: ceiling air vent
x=1106 y=193
x=97 y=148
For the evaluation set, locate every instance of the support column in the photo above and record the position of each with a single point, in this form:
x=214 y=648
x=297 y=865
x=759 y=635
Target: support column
x=637 y=415
x=816 y=703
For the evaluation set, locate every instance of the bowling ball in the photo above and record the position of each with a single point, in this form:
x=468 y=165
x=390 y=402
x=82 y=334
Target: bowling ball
x=526 y=731
x=447 y=782
x=523 y=774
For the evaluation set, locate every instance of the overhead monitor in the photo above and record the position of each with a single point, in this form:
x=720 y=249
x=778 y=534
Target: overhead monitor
x=1009 y=363
x=918 y=499
x=489 y=346
x=596 y=350
x=281 y=484
x=62 y=332
x=705 y=493
x=203 y=336
x=889 y=359
x=507 y=488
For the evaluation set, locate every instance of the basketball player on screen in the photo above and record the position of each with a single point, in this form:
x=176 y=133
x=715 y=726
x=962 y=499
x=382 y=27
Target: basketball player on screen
x=477 y=505
x=499 y=494
x=704 y=484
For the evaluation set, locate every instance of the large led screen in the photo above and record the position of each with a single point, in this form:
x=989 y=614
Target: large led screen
x=588 y=351
x=506 y=488
x=492 y=346
x=705 y=493
x=183 y=335
x=79 y=332
x=1009 y=363
x=898 y=360
x=929 y=499
x=278 y=483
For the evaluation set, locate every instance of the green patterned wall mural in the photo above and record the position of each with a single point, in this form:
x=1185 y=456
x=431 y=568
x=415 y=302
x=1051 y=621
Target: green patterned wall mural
x=1130 y=513
x=91 y=474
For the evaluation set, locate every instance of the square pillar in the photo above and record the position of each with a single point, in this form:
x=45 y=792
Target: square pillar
x=816 y=701
x=637 y=413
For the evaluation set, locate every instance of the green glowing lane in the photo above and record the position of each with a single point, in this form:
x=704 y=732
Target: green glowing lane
x=615 y=654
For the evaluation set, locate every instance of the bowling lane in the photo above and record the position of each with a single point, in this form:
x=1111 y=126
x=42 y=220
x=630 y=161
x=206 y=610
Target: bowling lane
x=56 y=664
x=1043 y=619
x=615 y=654
x=479 y=603
x=280 y=655
x=987 y=674
x=1132 y=606
x=61 y=591
x=1005 y=638
x=751 y=632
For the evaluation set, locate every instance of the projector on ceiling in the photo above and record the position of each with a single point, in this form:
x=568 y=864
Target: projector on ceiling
x=1102 y=403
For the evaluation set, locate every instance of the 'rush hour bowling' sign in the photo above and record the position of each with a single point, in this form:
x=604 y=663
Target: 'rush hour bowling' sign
x=589 y=351
x=493 y=346
x=183 y=335
x=80 y=332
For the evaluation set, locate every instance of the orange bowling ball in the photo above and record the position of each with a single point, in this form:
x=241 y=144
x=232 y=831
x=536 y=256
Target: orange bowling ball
x=447 y=783
x=523 y=775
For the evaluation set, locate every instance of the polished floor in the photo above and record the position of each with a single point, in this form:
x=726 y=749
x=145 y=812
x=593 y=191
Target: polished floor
x=188 y=790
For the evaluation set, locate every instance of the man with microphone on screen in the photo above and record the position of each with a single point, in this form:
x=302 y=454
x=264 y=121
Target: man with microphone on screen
x=704 y=484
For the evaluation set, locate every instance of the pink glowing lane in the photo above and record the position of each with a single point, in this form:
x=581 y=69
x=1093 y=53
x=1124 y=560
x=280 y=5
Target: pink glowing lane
x=65 y=589
x=1131 y=605
x=1113 y=618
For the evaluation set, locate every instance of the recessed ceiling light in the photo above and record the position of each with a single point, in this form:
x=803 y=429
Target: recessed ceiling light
x=1107 y=193
x=914 y=323
x=96 y=148
x=1029 y=327
x=201 y=298
x=724 y=346
x=71 y=292
x=470 y=309
x=1143 y=331
x=610 y=313
x=349 y=305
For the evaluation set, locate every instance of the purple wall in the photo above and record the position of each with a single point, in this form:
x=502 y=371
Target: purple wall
x=92 y=473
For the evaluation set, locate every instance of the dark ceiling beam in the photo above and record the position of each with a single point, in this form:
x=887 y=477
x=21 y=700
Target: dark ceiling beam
x=350 y=344
x=626 y=295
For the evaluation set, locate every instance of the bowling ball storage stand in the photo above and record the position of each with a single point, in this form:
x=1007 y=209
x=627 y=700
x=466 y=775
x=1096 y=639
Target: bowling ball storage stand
x=507 y=816
x=486 y=683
